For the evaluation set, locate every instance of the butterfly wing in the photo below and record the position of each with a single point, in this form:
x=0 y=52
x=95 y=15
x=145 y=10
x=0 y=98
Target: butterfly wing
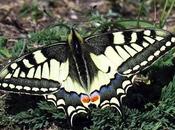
x=118 y=56
x=46 y=71
x=127 y=52
x=69 y=102
x=113 y=93
x=39 y=72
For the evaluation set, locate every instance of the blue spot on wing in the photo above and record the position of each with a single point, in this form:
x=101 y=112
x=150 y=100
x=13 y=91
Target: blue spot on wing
x=109 y=91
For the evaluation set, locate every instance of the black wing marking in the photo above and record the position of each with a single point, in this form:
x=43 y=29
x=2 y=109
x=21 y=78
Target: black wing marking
x=127 y=52
x=39 y=72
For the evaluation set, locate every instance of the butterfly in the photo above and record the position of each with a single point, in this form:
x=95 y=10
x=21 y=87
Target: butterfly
x=82 y=73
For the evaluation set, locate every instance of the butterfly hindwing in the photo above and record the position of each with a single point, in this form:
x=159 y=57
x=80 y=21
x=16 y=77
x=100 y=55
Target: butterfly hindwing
x=129 y=51
x=34 y=73
x=111 y=95
x=69 y=102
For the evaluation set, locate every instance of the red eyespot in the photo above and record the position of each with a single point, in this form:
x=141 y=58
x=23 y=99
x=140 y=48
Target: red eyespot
x=85 y=99
x=94 y=98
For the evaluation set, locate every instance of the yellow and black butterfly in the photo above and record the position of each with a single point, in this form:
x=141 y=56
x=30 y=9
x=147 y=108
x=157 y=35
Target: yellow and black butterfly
x=81 y=73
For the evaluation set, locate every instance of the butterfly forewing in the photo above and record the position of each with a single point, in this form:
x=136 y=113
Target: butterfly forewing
x=129 y=51
x=39 y=72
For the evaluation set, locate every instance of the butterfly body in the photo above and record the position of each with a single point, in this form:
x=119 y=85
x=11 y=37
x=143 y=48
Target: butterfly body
x=80 y=59
x=83 y=72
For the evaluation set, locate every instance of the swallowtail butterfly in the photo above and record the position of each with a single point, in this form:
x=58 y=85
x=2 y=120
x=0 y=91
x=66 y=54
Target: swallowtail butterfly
x=83 y=72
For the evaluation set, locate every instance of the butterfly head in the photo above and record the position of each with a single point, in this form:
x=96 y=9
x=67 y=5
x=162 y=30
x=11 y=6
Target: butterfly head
x=74 y=37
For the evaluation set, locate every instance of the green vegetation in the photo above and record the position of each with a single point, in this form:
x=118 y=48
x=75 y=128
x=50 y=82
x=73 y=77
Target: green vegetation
x=154 y=116
x=31 y=10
